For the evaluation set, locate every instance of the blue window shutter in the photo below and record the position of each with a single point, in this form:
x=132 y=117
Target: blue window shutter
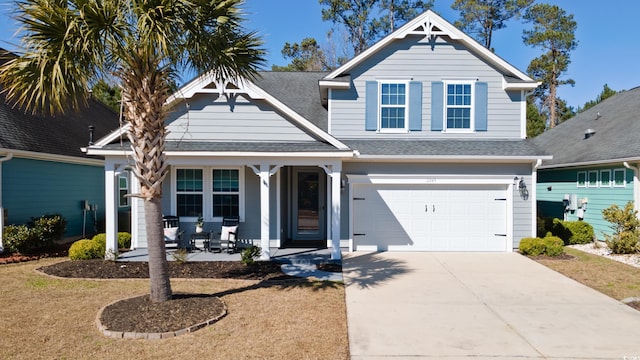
x=481 y=106
x=437 y=105
x=415 y=106
x=371 y=113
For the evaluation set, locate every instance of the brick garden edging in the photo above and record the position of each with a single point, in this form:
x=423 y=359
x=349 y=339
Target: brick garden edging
x=153 y=336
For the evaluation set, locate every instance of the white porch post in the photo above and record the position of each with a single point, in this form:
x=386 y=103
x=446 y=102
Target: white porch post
x=336 y=181
x=111 y=223
x=264 y=211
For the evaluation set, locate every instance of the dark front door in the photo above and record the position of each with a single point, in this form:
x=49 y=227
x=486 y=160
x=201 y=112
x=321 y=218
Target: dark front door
x=309 y=197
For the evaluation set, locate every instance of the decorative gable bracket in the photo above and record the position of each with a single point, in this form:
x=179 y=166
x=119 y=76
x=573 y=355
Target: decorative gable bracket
x=428 y=27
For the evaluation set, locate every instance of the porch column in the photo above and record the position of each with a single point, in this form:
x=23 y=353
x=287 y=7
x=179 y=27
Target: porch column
x=336 y=181
x=264 y=211
x=110 y=201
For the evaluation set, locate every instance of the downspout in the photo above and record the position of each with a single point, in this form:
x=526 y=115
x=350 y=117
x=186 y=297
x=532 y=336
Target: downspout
x=636 y=184
x=8 y=157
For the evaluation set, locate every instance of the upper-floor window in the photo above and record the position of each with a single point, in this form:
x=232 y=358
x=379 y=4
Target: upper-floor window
x=459 y=104
x=393 y=106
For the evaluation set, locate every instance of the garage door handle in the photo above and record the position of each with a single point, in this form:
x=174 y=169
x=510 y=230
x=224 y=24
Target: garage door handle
x=361 y=234
x=500 y=234
x=426 y=208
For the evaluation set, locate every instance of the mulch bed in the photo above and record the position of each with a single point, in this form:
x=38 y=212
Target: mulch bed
x=101 y=269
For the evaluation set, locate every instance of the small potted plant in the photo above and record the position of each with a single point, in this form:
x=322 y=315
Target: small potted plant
x=199 y=224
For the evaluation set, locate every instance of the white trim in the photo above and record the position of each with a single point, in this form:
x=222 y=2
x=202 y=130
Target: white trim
x=430 y=179
x=523 y=115
x=456 y=158
x=53 y=157
x=120 y=131
x=329 y=111
x=603 y=162
x=334 y=84
x=425 y=25
x=249 y=154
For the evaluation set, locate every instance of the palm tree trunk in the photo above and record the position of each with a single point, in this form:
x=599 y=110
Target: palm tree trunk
x=158 y=266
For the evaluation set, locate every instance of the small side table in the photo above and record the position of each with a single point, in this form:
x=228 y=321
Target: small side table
x=201 y=239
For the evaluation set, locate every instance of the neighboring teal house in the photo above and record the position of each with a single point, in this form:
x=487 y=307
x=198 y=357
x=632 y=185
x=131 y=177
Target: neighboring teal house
x=44 y=171
x=596 y=156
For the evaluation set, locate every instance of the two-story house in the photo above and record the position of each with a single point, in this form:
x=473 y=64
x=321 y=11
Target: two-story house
x=417 y=144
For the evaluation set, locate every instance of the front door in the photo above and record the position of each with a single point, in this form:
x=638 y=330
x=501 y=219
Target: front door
x=308 y=205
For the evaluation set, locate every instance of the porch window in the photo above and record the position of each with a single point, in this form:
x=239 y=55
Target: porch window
x=189 y=192
x=123 y=190
x=226 y=192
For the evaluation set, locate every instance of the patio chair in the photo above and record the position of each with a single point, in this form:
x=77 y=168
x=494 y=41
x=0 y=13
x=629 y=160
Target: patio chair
x=228 y=235
x=172 y=232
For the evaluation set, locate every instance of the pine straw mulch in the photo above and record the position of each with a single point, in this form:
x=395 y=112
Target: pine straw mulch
x=141 y=315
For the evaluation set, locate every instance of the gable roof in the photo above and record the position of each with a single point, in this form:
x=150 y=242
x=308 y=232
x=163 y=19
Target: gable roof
x=616 y=122
x=430 y=24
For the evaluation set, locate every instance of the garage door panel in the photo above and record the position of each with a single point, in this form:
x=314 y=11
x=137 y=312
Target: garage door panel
x=430 y=218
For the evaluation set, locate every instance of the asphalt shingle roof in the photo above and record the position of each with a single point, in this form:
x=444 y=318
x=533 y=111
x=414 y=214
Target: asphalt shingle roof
x=238 y=146
x=471 y=148
x=299 y=91
x=616 y=122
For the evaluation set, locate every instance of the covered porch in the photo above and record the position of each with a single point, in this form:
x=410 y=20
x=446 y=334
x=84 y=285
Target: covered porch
x=282 y=200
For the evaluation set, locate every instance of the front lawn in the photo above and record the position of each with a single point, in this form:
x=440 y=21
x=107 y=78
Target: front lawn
x=609 y=277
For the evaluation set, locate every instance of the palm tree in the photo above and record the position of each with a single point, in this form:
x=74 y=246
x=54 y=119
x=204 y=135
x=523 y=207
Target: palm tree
x=67 y=45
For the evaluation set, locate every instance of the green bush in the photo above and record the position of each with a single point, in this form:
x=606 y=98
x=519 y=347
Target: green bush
x=101 y=240
x=549 y=245
x=625 y=226
x=553 y=246
x=20 y=238
x=85 y=249
x=124 y=240
x=532 y=246
x=624 y=243
x=544 y=225
x=51 y=227
x=573 y=232
x=248 y=255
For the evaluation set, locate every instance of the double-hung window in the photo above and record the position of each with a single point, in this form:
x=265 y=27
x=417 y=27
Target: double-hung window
x=189 y=192
x=393 y=106
x=459 y=105
x=226 y=192
x=123 y=190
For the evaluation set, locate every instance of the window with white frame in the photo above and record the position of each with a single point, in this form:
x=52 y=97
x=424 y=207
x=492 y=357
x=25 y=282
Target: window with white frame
x=582 y=179
x=605 y=178
x=593 y=178
x=123 y=190
x=225 y=192
x=189 y=192
x=459 y=103
x=619 y=178
x=393 y=106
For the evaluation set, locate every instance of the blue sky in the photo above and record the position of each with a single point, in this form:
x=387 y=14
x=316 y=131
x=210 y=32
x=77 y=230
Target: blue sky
x=608 y=49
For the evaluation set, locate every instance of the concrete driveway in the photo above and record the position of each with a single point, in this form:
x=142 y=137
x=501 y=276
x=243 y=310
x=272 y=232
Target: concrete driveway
x=479 y=305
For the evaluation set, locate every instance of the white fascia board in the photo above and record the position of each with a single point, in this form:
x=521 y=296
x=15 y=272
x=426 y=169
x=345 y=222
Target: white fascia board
x=526 y=86
x=334 y=84
x=426 y=20
x=232 y=154
x=590 y=163
x=53 y=157
x=122 y=130
x=455 y=159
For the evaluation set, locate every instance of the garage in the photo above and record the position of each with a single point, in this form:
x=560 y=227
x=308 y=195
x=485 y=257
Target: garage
x=418 y=217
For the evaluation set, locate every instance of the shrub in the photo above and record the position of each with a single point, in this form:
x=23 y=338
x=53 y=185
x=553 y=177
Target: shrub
x=124 y=240
x=20 y=238
x=581 y=232
x=532 y=246
x=625 y=225
x=544 y=225
x=51 y=227
x=549 y=245
x=624 y=243
x=101 y=241
x=553 y=246
x=248 y=255
x=85 y=249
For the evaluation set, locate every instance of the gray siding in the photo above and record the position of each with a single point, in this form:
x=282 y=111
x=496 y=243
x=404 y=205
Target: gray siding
x=215 y=118
x=418 y=60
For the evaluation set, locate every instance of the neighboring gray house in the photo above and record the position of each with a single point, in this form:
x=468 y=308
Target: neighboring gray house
x=596 y=157
x=417 y=144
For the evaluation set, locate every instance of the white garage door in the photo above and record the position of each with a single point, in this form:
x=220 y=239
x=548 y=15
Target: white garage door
x=429 y=218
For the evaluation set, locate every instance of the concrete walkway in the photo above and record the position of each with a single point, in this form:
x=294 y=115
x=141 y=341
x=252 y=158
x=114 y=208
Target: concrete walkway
x=479 y=306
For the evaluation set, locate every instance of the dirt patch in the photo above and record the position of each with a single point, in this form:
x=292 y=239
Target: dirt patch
x=559 y=257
